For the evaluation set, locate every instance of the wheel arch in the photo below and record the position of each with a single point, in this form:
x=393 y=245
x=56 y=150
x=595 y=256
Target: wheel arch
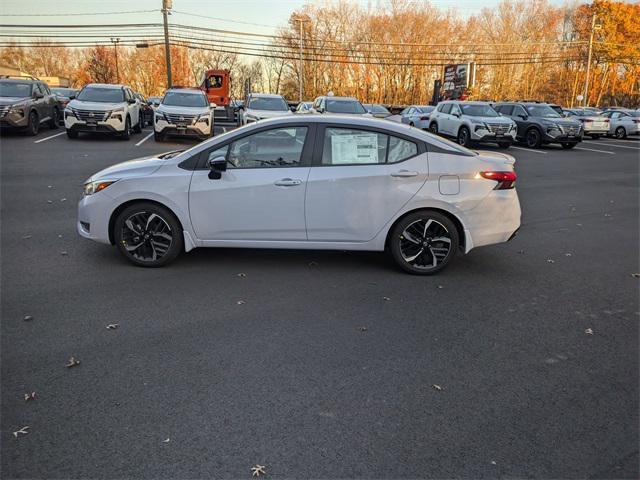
x=454 y=218
x=128 y=203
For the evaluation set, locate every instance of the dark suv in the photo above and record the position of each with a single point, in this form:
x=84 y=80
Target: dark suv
x=539 y=124
x=26 y=103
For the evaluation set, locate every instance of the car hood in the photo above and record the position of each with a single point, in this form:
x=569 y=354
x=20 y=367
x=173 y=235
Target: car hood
x=12 y=100
x=563 y=122
x=178 y=110
x=504 y=120
x=267 y=113
x=138 y=167
x=97 y=106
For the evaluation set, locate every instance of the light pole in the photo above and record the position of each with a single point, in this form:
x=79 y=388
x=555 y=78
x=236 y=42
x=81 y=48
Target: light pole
x=115 y=42
x=586 y=78
x=166 y=6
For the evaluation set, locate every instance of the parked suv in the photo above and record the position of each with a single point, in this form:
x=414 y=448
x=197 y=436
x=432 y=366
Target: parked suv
x=263 y=105
x=183 y=112
x=26 y=103
x=106 y=108
x=339 y=106
x=539 y=124
x=471 y=122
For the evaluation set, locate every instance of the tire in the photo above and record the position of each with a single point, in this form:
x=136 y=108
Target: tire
x=33 y=127
x=464 y=137
x=504 y=144
x=158 y=137
x=621 y=132
x=55 y=119
x=595 y=136
x=417 y=256
x=433 y=128
x=140 y=125
x=568 y=145
x=126 y=134
x=411 y=124
x=533 y=138
x=141 y=230
x=73 y=134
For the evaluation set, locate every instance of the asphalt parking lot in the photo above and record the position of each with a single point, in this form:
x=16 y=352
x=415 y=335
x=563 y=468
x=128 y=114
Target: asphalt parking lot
x=518 y=361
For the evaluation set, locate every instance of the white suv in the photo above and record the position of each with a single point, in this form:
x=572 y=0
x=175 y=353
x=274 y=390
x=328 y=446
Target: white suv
x=102 y=107
x=263 y=105
x=183 y=112
x=470 y=122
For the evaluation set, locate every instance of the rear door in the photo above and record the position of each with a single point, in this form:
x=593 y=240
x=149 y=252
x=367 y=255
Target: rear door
x=361 y=177
x=261 y=195
x=443 y=118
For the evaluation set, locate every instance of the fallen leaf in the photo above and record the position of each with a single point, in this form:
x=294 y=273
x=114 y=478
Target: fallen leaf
x=113 y=326
x=589 y=331
x=22 y=431
x=166 y=440
x=386 y=299
x=362 y=328
x=258 y=470
x=635 y=275
x=29 y=396
x=73 y=361
x=550 y=261
x=59 y=236
x=26 y=237
x=49 y=201
x=63 y=253
x=607 y=214
x=63 y=199
x=437 y=387
x=578 y=224
x=312 y=264
x=27 y=318
x=242 y=275
x=49 y=186
x=493 y=462
x=567 y=254
x=521 y=252
x=240 y=302
x=440 y=286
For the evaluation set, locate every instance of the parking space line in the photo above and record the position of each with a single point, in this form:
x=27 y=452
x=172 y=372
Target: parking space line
x=529 y=150
x=614 y=145
x=49 y=138
x=143 y=140
x=594 y=150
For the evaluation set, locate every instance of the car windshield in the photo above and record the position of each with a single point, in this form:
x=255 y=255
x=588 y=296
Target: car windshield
x=65 y=92
x=184 y=99
x=344 y=106
x=427 y=109
x=379 y=109
x=542 y=111
x=478 y=111
x=14 y=89
x=268 y=103
x=99 y=94
x=634 y=114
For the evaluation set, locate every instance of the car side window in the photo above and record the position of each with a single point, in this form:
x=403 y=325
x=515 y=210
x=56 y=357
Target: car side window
x=455 y=110
x=446 y=108
x=517 y=111
x=400 y=149
x=615 y=115
x=411 y=111
x=279 y=147
x=346 y=146
x=39 y=88
x=46 y=89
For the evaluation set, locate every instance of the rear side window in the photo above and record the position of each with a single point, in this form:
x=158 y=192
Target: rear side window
x=446 y=108
x=505 y=109
x=345 y=146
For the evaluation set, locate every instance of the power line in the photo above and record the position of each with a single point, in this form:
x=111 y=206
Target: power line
x=74 y=14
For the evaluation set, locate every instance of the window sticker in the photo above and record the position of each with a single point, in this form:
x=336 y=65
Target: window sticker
x=354 y=148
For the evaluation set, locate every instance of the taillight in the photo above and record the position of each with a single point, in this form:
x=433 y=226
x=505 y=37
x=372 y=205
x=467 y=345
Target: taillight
x=506 y=180
x=635 y=120
x=606 y=120
x=424 y=118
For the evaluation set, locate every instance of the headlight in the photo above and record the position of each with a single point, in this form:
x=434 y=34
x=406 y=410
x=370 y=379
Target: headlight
x=203 y=117
x=94 y=187
x=19 y=109
x=117 y=113
x=69 y=112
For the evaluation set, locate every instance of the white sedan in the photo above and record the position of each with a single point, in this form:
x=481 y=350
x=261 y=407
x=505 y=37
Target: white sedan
x=307 y=182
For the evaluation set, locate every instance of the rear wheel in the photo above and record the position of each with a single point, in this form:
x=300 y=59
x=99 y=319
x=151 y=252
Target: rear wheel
x=433 y=128
x=55 y=119
x=568 y=145
x=424 y=242
x=148 y=235
x=411 y=124
x=621 y=132
x=464 y=137
x=72 y=133
x=533 y=139
x=33 y=127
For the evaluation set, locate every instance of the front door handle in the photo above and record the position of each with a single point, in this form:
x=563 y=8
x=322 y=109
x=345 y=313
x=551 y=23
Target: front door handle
x=404 y=173
x=287 y=182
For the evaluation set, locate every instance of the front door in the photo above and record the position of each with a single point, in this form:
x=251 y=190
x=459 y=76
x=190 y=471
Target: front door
x=261 y=195
x=359 y=181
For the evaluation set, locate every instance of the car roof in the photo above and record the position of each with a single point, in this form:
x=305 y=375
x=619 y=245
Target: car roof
x=194 y=91
x=265 y=95
x=18 y=80
x=333 y=97
x=105 y=85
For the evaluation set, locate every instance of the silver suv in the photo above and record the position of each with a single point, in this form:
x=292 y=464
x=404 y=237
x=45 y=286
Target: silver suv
x=183 y=112
x=471 y=122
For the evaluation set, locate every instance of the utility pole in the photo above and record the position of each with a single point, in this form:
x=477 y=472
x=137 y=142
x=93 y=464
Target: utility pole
x=115 y=42
x=586 y=78
x=166 y=6
x=300 y=67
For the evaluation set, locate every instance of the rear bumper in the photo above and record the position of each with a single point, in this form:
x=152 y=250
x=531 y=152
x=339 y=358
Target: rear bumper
x=496 y=219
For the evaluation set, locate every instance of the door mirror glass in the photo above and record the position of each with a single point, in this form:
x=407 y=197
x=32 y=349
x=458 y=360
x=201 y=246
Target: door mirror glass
x=217 y=166
x=131 y=100
x=71 y=97
x=522 y=116
x=38 y=95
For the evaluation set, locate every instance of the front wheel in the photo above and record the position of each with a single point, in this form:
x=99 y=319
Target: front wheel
x=158 y=137
x=73 y=134
x=148 y=235
x=568 y=145
x=55 y=119
x=33 y=127
x=424 y=242
x=533 y=138
x=464 y=137
x=504 y=144
x=433 y=128
x=621 y=132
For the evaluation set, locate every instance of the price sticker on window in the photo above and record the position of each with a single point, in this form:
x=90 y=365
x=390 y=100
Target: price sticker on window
x=354 y=148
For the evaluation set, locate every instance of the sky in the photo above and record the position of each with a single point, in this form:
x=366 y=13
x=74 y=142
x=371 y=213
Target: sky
x=256 y=16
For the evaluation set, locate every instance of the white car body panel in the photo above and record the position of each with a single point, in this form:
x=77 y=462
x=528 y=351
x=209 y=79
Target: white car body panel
x=333 y=207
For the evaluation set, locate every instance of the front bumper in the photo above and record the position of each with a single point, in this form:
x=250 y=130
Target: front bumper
x=199 y=129
x=561 y=137
x=14 y=120
x=94 y=212
x=483 y=135
x=110 y=125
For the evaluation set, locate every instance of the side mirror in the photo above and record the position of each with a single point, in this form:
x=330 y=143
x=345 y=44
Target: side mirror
x=37 y=95
x=71 y=97
x=523 y=117
x=212 y=105
x=217 y=166
x=293 y=109
x=320 y=110
x=131 y=101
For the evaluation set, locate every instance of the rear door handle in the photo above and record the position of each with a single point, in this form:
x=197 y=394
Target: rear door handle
x=404 y=173
x=287 y=182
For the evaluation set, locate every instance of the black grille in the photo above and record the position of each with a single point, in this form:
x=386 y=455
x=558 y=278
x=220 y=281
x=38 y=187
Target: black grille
x=4 y=110
x=90 y=115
